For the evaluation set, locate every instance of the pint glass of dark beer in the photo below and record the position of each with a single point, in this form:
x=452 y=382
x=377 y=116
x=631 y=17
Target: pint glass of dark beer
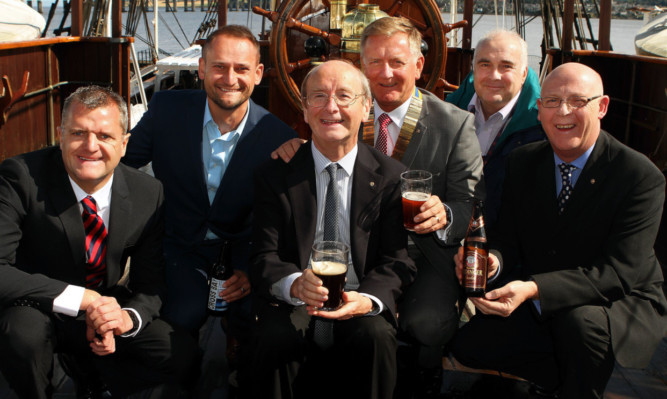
x=415 y=189
x=329 y=263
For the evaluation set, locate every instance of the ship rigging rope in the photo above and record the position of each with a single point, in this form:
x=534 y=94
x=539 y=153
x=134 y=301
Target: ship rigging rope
x=164 y=23
x=181 y=28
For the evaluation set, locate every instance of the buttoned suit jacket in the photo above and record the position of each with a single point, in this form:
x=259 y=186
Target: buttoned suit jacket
x=445 y=144
x=286 y=217
x=42 y=238
x=600 y=250
x=170 y=135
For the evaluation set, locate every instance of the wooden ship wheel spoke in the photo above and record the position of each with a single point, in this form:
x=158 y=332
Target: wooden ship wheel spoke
x=302 y=36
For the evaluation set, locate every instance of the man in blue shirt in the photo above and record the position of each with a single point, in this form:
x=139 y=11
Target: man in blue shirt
x=204 y=146
x=578 y=220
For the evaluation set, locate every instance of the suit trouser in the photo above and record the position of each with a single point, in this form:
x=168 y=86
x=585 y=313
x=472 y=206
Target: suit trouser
x=285 y=363
x=29 y=339
x=427 y=311
x=570 y=352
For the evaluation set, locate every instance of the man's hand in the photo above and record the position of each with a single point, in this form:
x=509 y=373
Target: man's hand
x=236 y=287
x=491 y=266
x=89 y=296
x=433 y=216
x=101 y=345
x=308 y=288
x=354 y=304
x=504 y=300
x=104 y=315
x=287 y=150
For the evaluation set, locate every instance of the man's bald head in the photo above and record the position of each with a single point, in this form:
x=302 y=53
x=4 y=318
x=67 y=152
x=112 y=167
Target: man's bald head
x=571 y=106
x=573 y=73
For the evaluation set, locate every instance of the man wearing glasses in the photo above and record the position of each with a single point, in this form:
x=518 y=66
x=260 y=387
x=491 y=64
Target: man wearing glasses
x=579 y=215
x=298 y=350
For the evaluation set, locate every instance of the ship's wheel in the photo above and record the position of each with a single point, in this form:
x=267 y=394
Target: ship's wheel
x=296 y=21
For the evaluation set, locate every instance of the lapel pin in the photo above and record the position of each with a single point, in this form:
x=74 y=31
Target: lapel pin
x=372 y=184
x=592 y=181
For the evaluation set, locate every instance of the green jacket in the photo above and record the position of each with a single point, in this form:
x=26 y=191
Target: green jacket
x=525 y=111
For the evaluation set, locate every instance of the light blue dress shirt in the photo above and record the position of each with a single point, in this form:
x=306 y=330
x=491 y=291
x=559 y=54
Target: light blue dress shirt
x=217 y=150
x=579 y=163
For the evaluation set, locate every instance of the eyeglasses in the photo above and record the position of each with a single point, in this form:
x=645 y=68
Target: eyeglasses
x=318 y=100
x=572 y=102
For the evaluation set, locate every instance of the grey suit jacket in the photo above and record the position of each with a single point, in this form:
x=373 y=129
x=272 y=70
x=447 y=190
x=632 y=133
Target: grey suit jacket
x=42 y=239
x=444 y=143
x=286 y=215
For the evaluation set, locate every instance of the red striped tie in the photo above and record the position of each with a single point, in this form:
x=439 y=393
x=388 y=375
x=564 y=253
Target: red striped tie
x=96 y=243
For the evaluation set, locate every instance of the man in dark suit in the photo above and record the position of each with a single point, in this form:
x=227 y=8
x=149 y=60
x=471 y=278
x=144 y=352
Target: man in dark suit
x=578 y=220
x=60 y=281
x=290 y=359
x=204 y=146
x=423 y=132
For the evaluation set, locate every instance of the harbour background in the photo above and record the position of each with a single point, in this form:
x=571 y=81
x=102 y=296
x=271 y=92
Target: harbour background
x=178 y=29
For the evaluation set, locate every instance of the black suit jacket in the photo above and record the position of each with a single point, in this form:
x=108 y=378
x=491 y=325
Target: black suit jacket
x=286 y=217
x=600 y=250
x=170 y=135
x=42 y=247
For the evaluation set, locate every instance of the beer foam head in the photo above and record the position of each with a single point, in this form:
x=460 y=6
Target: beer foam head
x=328 y=268
x=415 y=196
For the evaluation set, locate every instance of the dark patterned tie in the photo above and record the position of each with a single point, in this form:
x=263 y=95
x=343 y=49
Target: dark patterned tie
x=96 y=243
x=323 y=328
x=331 y=206
x=566 y=190
x=383 y=134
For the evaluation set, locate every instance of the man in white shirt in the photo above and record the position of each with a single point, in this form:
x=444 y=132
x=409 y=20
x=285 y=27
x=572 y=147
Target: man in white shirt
x=70 y=218
x=502 y=92
x=290 y=358
x=423 y=132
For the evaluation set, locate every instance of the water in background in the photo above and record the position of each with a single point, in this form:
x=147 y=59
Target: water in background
x=177 y=30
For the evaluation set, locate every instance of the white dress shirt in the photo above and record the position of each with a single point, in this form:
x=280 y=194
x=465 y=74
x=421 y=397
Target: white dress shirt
x=344 y=175
x=69 y=301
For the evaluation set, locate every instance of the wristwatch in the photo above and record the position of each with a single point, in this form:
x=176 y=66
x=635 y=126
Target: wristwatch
x=135 y=322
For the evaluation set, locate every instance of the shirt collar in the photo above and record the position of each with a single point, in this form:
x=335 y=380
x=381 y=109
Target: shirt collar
x=397 y=115
x=504 y=112
x=347 y=162
x=579 y=162
x=102 y=196
x=227 y=136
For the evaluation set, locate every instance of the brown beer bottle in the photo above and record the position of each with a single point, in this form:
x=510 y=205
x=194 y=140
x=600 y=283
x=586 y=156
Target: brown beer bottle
x=221 y=271
x=475 y=254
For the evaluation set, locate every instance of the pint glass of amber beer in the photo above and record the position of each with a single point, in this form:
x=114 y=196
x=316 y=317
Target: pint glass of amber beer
x=415 y=189
x=329 y=263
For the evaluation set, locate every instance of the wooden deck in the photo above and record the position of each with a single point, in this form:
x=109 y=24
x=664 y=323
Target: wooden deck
x=649 y=383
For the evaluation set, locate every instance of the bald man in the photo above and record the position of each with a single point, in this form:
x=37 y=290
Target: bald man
x=579 y=215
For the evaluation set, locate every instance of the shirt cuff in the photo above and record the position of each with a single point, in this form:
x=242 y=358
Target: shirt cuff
x=281 y=289
x=495 y=276
x=444 y=233
x=377 y=309
x=135 y=329
x=69 y=301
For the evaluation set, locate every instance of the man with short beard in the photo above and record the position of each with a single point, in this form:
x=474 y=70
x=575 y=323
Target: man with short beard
x=204 y=146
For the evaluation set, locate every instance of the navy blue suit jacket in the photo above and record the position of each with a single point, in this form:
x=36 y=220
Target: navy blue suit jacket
x=170 y=135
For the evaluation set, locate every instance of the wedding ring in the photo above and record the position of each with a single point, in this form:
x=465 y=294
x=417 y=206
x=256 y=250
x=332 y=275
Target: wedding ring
x=242 y=290
x=437 y=219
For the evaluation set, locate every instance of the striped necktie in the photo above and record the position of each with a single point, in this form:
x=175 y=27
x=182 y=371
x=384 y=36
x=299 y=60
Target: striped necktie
x=96 y=243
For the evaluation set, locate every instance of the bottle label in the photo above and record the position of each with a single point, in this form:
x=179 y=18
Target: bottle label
x=475 y=270
x=215 y=301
